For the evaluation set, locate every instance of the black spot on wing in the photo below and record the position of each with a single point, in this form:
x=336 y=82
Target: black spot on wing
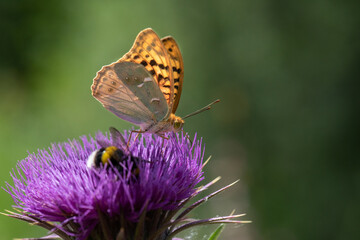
x=152 y=62
x=178 y=70
x=144 y=63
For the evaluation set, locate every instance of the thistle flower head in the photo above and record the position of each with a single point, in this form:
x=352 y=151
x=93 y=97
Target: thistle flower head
x=55 y=189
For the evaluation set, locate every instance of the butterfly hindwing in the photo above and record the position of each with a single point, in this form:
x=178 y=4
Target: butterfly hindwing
x=129 y=91
x=177 y=65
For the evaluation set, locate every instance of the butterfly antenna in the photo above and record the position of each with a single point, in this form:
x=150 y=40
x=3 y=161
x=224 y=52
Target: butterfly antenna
x=208 y=107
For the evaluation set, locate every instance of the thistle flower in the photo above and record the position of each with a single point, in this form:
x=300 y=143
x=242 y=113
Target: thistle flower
x=56 y=190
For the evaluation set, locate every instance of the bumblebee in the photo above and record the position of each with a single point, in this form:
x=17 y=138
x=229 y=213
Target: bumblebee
x=112 y=155
x=105 y=155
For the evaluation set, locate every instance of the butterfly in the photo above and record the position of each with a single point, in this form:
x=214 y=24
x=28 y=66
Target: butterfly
x=144 y=86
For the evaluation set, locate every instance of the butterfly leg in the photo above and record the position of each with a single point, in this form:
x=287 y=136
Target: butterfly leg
x=163 y=137
x=187 y=136
x=162 y=144
x=129 y=139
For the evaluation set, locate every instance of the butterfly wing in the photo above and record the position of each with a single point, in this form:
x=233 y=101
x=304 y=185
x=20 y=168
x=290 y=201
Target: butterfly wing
x=129 y=91
x=177 y=64
x=149 y=51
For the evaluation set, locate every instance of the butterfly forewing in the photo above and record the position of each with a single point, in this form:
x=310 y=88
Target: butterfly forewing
x=129 y=91
x=177 y=65
x=149 y=51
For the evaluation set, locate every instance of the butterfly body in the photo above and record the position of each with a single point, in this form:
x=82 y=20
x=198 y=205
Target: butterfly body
x=144 y=86
x=172 y=124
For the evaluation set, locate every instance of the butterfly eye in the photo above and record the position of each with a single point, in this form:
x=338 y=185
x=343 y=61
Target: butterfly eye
x=178 y=125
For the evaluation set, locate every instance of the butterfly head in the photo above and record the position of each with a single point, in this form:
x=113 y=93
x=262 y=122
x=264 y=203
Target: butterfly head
x=176 y=122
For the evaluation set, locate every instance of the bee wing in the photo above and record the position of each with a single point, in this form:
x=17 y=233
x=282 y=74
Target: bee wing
x=129 y=91
x=117 y=137
x=102 y=144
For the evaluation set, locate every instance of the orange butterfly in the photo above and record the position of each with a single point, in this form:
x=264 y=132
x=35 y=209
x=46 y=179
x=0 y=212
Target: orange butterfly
x=144 y=86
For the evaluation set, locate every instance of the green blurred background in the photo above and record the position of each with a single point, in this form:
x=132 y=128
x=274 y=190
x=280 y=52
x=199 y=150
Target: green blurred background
x=286 y=72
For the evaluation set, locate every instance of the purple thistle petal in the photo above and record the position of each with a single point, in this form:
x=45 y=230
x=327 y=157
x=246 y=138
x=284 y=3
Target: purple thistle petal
x=55 y=185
